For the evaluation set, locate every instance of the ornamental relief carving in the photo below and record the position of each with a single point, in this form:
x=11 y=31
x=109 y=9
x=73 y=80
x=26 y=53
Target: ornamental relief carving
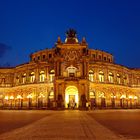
x=71 y=55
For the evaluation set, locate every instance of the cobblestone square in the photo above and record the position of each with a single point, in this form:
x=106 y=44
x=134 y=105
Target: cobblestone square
x=69 y=124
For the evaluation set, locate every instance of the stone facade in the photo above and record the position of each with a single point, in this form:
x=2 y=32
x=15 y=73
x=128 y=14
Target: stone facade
x=70 y=75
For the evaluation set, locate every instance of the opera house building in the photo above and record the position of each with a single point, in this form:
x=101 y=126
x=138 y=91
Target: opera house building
x=69 y=75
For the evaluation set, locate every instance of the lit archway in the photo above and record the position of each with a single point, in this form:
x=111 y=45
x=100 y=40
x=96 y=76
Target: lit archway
x=71 y=97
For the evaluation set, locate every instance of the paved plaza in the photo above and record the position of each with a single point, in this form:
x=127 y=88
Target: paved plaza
x=69 y=124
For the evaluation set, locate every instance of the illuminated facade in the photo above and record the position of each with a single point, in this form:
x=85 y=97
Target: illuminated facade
x=70 y=75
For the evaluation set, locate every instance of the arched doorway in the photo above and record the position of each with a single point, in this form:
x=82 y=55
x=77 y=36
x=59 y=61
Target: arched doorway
x=71 y=97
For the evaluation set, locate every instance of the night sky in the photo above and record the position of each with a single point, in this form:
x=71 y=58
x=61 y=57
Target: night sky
x=27 y=26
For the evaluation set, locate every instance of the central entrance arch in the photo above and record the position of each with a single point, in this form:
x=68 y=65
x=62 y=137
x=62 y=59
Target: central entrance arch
x=71 y=97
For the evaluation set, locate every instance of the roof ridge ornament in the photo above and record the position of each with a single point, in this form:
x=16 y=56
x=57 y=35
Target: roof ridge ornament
x=59 y=40
x=71 y=36
x=71 y=33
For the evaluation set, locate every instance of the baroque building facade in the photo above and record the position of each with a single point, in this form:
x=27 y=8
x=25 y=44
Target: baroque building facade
x=70 y=75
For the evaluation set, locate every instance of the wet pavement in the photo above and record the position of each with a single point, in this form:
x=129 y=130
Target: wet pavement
x=63 y=125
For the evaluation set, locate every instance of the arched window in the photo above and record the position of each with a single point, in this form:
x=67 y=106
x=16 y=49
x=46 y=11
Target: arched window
x=52 y=75
x=24 y=78
x=125 y=80
x=42 y=76
x=51 y=96
x=32 y=77
x=91 y=74
x=101 y=76
x=91 y=95
x=17 y=80
x=103 y=99
x=110 y=77
x=71 y=71
x=118 y=79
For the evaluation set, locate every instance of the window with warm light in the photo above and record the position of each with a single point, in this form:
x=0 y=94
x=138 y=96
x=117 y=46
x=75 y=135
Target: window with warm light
x=24 y=78
x=51 y=95
x=91 y=95
x=110 y=77
x=17 y=80
x=42 y=76
x=71 y=71
x=91 y=74
x=52 y=75
x=32 y=77
x=118 y=79
x=101 y=76
x=125 y=80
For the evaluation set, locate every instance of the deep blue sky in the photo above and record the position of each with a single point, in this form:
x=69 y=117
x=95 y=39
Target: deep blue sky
x=27 y=26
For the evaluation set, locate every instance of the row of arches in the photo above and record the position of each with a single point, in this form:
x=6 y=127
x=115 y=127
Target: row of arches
x=111 y=77
x=23 y=78
x=23 y=101
x=120 y=100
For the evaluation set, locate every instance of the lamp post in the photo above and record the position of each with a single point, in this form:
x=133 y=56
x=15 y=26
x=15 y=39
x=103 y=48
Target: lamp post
x=103 y=102
x=113 y=97
x=135 y=100
x=6 y=99
x=40 y=100
x=19 y=97
x=51 y=98
x=11 y=98
x=1 y=100
x=29 y=100
x=130 y=98
x=122 y=98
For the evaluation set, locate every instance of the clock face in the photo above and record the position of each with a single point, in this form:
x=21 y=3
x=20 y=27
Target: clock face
x=71 y=55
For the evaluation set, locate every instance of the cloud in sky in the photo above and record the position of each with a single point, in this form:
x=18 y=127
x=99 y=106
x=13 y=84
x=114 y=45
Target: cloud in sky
x=3 y=49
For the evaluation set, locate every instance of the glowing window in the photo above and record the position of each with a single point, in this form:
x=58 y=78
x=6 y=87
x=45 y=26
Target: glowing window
x=52 y=75
x=118 y=79
x=125 y=80
x=110 y=77
x=32 y=77
x=101 y=76
x=71 y=71
x=42 y=76
x=24 y=78
x=17 y=79
x=91 y=74
x=91 y=94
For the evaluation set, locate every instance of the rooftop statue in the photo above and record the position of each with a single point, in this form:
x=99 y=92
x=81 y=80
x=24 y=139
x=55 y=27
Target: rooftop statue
x=71 y=33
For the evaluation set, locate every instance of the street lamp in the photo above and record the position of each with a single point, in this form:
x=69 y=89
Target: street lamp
x=103 y=102
x=130 y=98
x=122 y=100
x=6 y=98
x=113 y=97
x=19 y=97
x=135 y=100
x=29 y=100
x=11 y=98
x=51 y=97
x=1 y=99
x=40 y=100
